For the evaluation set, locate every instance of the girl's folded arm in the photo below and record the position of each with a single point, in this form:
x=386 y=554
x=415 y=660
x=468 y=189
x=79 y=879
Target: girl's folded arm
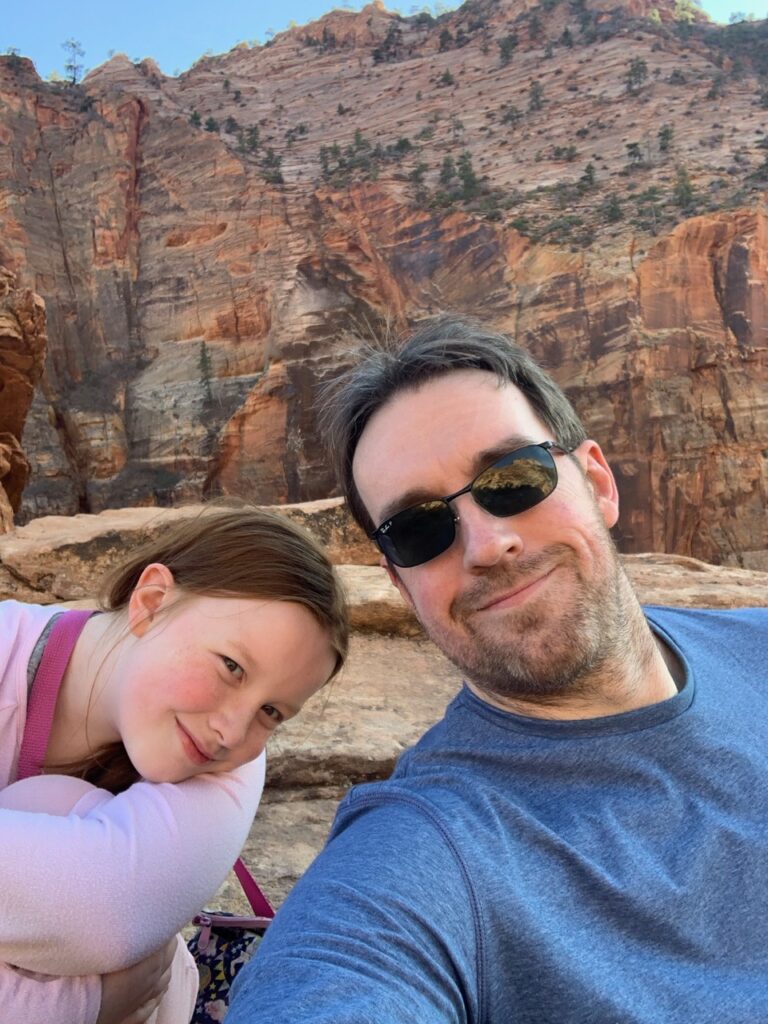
x=93 y=894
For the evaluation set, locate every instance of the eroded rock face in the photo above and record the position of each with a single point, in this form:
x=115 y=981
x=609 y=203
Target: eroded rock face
x=669 y=369
x=194 y=306
x=22 y=356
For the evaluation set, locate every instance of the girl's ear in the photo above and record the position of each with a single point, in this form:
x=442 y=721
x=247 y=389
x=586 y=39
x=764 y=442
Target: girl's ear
x=154 y=590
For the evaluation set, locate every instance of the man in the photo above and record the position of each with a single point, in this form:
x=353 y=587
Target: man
x=583 y=839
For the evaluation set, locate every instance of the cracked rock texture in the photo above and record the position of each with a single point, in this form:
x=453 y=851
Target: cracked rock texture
x=22 y=357
x=193 y=306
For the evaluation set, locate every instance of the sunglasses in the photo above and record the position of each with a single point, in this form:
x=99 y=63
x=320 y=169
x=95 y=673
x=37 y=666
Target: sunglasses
x=517 y=481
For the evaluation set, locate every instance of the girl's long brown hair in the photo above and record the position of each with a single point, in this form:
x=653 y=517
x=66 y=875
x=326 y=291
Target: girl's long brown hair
x=224 y=552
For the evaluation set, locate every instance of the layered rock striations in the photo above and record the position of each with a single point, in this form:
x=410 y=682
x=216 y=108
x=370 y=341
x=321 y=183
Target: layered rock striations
x=22 y=357
x=206 y=244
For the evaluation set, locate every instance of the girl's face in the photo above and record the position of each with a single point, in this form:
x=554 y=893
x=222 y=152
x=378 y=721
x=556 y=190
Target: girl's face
x=204 y=681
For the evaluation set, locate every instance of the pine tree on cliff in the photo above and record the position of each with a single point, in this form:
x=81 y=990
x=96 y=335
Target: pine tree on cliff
x=73 y=64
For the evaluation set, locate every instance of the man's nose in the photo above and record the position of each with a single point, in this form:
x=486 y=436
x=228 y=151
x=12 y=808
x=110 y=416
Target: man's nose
x=485 y=539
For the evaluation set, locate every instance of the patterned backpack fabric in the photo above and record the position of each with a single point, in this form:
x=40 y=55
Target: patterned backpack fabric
x=221 y=945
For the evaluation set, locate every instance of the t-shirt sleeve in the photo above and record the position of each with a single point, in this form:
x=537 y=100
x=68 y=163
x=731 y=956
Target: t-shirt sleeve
x=96 y=893
x=29 y=999
x=380 y=930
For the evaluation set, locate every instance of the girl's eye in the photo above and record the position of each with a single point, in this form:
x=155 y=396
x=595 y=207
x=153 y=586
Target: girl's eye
x=272 y=713
x=232 y=666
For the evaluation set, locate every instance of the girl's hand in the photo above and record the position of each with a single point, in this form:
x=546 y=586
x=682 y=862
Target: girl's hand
x=131 y=996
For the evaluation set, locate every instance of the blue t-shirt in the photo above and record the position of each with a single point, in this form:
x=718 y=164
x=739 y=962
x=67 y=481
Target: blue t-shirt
x=601 y=871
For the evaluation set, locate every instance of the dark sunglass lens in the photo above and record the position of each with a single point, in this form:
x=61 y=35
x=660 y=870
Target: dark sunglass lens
x=516 y=482
x=418 y=534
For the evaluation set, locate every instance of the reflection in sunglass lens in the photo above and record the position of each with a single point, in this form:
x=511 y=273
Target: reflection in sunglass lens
x=417 y=534
x=516 y=483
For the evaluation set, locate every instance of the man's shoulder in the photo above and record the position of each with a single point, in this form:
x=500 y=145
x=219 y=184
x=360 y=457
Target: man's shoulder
x=711 y=637
x=708 y=619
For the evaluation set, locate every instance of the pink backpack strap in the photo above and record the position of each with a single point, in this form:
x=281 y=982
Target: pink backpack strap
x=259 y=902
x=42 y=700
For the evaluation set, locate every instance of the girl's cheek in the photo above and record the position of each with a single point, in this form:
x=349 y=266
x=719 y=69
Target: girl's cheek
x=198 y=692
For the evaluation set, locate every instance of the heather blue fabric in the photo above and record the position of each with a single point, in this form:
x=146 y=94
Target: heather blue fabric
x=607 y=871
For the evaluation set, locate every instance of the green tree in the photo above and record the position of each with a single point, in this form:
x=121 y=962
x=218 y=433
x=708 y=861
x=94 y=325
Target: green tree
x=665 y=134
x=211 y=124
x=73 y=64
x=567 y=37
x=511 y=116
x=507 y=46
x=195 y=120
x=634 y=153
x=685 y=11
x=683 y=192
x=417 y=174
x=535 y=96
x=271 y=164
x=611 y=210
x=447 y=171
x=446 y=79
x=470 y=185
x=446 y=40
x=587 y=180
x=231 y=126
x=650 y=209
x=635 y=75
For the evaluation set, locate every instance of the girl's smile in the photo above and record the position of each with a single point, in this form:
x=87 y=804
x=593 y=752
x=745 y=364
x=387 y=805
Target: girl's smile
x=207 y=680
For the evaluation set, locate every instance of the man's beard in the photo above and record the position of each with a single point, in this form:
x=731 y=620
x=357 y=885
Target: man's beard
x=547 y=649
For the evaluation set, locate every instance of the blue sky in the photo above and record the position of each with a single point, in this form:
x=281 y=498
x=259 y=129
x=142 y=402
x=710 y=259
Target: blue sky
x=176 y=32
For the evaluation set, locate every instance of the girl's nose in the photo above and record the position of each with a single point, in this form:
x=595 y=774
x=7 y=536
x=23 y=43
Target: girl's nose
x=230 y=723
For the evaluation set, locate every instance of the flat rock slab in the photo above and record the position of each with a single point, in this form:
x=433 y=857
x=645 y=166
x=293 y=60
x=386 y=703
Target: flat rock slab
x=66 y=558
x=392 y=690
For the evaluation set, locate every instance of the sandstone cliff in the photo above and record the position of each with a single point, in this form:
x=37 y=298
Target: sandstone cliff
x=22 y=357
x=203 y=243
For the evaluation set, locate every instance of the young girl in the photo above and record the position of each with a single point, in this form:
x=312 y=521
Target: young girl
x=210 y=637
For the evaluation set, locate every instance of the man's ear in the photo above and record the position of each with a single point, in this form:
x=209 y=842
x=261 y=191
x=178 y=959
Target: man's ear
x=601 y=480
x=155 y=589
x=395 y=580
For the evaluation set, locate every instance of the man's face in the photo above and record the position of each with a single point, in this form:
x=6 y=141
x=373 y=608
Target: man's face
x=527 y=605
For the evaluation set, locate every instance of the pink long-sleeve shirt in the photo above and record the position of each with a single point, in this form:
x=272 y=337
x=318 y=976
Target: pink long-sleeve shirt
x=87 y=894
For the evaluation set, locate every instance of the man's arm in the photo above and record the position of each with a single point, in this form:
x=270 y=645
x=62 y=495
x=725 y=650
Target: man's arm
x=381 y=929
x=93 y=894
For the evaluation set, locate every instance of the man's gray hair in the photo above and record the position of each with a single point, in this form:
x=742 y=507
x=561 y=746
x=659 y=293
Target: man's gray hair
x=442 y=345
